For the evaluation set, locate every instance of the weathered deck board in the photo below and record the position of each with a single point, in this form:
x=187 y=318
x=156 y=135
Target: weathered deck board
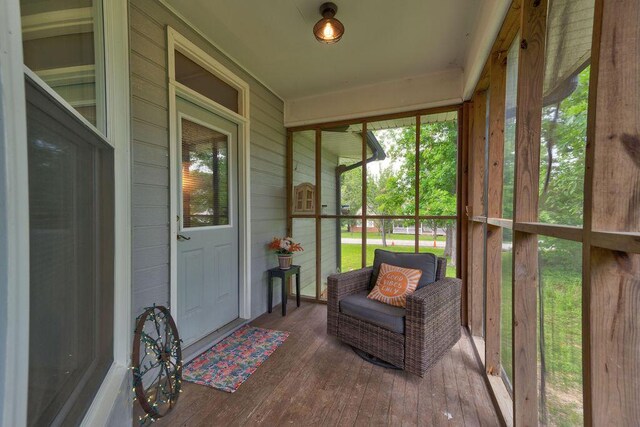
x=314 y=379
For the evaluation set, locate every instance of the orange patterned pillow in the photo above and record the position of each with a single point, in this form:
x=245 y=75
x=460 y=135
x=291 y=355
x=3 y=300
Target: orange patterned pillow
x=394 y=284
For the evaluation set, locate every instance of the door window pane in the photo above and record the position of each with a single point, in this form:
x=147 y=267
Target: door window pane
x=391 y=173
x=205 y=83
x=205 y=176
x=71 y=262
x=62 y=44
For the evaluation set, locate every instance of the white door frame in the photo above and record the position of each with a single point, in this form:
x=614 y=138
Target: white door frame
x=175 y=41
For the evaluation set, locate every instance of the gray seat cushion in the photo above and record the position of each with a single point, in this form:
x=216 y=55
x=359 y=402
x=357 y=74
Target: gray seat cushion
x=426 y=262
x=384 y=315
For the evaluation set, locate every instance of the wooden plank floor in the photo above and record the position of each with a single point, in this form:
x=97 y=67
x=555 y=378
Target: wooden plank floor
x=314 y=379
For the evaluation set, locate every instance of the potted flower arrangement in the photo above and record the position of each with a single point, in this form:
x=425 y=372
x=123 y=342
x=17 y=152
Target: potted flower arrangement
x=284 y=247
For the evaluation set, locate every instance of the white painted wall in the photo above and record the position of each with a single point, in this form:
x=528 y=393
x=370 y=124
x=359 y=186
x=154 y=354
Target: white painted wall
x=304 y=230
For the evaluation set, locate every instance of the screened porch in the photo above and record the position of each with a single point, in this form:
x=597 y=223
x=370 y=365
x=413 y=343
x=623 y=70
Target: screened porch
x=402 y=168
x=152 y=150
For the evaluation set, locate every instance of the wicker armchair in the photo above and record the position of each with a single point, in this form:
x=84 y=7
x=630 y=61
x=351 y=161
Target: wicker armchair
x=431 y=321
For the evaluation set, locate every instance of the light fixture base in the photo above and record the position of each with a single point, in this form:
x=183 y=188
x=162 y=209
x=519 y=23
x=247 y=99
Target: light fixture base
x=328 y=8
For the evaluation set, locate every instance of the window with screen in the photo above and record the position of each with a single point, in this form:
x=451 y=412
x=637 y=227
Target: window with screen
x=388 y=184
x=71 y=218
x=506 y=307
x=561 y=201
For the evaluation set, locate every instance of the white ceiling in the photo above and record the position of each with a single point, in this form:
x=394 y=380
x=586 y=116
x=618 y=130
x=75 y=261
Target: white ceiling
x=383 y=40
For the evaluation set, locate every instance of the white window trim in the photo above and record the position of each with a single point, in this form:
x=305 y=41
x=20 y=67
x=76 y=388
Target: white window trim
x=116 y=71
x=66 y=104
x=58 y=22
x=176 y=41
x=14 y=328
x=14 y=207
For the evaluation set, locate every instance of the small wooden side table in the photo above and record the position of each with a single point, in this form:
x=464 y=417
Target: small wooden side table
x=284 y=276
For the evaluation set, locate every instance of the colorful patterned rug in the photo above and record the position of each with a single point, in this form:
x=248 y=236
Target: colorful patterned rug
x=229 y=363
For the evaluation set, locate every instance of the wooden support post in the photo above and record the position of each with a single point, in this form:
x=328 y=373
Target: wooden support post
x=364 y=195
x=289 y=182
x=463 y=223
x=416 y=227
x=289 y=188
x=467 y=211
x=477 y=185
x=611 y=279
x=497 y=78
x=525 y=245
x=318 y=211
x=461 y=189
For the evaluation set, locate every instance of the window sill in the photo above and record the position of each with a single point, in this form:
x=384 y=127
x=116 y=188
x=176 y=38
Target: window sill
x=105 y=400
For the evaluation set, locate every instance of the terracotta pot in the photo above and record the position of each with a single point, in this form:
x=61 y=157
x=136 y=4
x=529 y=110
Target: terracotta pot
x=285 y=262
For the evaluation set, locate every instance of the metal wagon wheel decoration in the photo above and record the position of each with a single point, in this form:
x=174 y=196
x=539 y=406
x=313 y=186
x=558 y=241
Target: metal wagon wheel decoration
x=156 y=363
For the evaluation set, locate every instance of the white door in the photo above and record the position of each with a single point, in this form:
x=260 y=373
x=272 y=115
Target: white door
x=207 y=201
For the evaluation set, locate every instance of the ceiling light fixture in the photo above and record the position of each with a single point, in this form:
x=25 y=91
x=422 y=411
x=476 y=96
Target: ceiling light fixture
x=328 y=30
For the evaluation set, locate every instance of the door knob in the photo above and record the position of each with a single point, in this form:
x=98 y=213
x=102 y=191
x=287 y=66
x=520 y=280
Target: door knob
x=182 y=237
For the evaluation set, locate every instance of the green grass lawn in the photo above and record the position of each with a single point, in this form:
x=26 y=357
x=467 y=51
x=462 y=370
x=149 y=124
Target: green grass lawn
x=352 y=256
x=423 y=237
x=562 y=295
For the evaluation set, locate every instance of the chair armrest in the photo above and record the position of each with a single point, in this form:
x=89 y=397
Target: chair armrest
x=340 y=286
x=433 y=323
x=345 y=284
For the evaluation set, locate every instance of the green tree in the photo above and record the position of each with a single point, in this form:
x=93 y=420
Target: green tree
x=392 y=190
x=351 y=193
x=438 y=174
x=562 y=154
x=385 y=197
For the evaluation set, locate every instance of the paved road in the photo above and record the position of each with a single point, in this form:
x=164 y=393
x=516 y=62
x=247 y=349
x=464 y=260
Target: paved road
x=392 y=242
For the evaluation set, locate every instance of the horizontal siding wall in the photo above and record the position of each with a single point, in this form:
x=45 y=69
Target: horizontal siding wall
x=150 y=152
x=304 y=229
x=329 y=234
